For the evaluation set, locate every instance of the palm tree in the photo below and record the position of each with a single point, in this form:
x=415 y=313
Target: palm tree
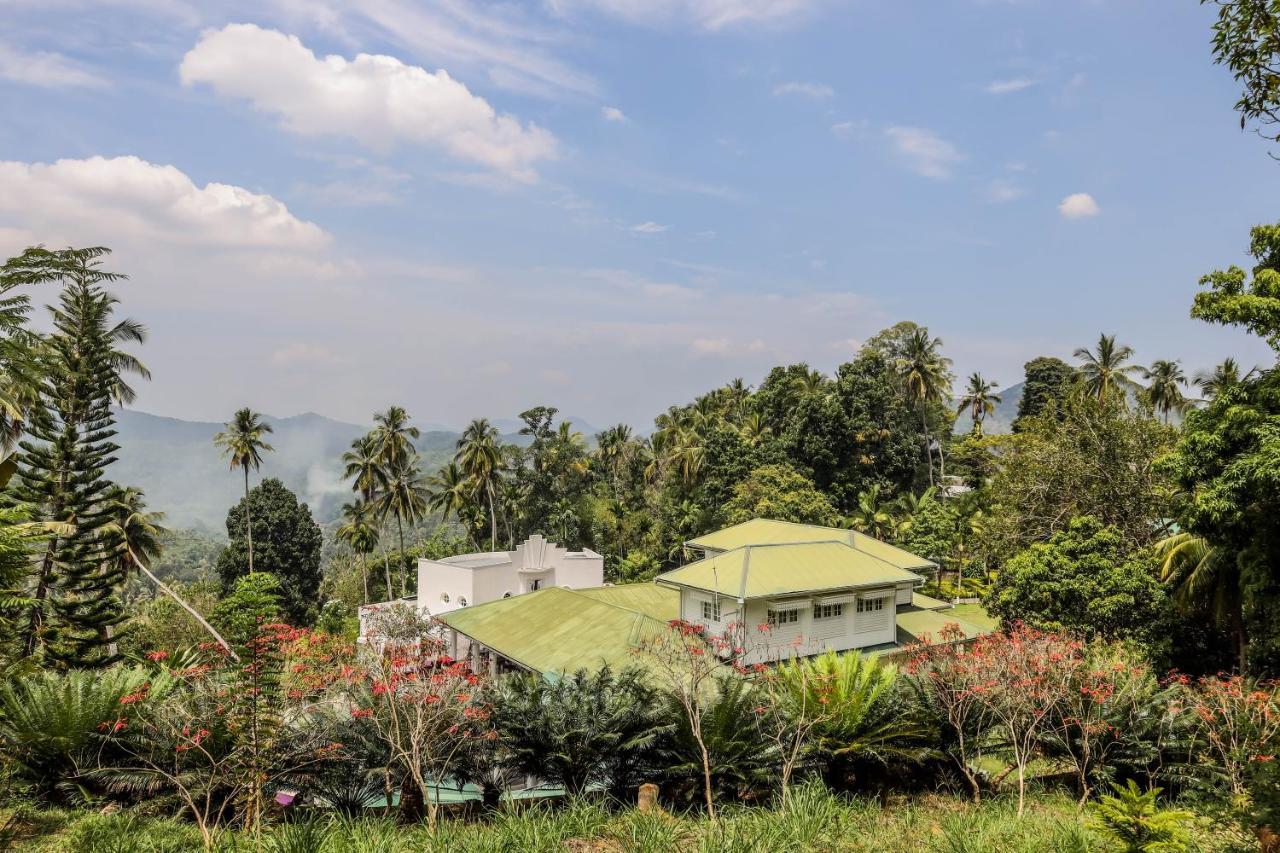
x=1223 y=376
x=136 y=534
x=926 y=378
x=392 y=433
x=243 y=443
x=1104 y=370
x=405 y=499
x=754 y=430
x=1164 y=389
x=360 y=533
x=1203 y=575
x=480 y=458
x=871 y=516
x=979 y=400
x=363 y=464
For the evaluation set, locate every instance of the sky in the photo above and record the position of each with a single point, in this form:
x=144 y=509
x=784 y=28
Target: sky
x=469 y=208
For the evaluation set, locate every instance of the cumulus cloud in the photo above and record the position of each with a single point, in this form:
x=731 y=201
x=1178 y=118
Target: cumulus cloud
x=1009 y=86
x=1079 y=206
x=817 y=91
x=108 y=198
x=612 y=114
x=923 y=151
x=706 y=14
x=49 y=70
x=378 y=100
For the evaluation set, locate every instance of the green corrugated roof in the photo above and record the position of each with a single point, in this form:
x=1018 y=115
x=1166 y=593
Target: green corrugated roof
x=913 y=625
x=924 y=602
x=559 y=630
x=766 y=531
x=764 y=571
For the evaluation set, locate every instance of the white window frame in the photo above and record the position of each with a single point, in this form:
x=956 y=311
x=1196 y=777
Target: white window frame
x=711 y=610
x=786 y=616
x=827 y=612
x=865 y=605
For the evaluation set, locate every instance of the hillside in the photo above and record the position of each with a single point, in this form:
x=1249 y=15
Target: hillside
x=1000 y=421
x=183 y=474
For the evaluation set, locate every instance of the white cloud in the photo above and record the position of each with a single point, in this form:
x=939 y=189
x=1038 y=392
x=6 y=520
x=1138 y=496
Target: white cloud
x=1009 y=86
x=103 y=199
x=923 y=151
x=49 y=70
x=710 y=346
x=1079 y=206
x=613 y=114
x=375 y=99
x=649 y=228
x=817 y=91
x=706 y=14
x=1002 y=190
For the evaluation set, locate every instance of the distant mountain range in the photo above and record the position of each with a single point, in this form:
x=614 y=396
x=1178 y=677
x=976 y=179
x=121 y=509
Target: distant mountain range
x=185 y=476
x=999 y=422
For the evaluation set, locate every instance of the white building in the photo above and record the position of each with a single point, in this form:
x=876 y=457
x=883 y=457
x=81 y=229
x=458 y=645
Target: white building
x=468 y=579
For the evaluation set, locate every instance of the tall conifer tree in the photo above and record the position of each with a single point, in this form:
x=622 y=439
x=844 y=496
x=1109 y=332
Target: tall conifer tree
x=62 y=459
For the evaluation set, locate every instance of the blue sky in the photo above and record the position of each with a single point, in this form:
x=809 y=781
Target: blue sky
x=470 y=208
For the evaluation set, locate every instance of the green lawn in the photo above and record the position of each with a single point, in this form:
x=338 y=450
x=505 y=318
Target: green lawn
x=975 y=614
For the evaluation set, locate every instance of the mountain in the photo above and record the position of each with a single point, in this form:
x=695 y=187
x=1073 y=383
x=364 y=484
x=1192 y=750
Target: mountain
x=185 y=476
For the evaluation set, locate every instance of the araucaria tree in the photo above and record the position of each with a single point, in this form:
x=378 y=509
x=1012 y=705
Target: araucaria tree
x=62 y=461
x=243 y=443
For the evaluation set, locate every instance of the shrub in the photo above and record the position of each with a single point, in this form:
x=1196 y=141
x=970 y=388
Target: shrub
x=1132 y=818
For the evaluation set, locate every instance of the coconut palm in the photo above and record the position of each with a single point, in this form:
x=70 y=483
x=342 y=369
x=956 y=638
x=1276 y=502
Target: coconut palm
x=1165 y=381
x=360 y=532
x=480 y=458
x=134 y=535
x=393 y=433
x=403 y=498
x=243 y=442
x=754 y=430
x=1223 y=376
x=979 y=400
x=1204 y=575
x=363 y=465
x=925 y=376
x=1105 y=370
x=871 y=516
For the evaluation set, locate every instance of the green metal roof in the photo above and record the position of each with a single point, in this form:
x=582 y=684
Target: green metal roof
x=924 y=602
x=557 y=630
x=914 y=625
x=764 y=571
x=766 y=531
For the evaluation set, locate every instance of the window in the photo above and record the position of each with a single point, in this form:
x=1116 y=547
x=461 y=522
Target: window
x=783 y=617
x=506 y=595
x=444 y=596
x=828 y=611
x=462 y=601
x=870 y=605
x=536 y=585
x=711 y=611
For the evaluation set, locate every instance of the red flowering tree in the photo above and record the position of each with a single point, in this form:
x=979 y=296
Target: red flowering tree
x=686 y=660
x=424 y=706
x=1237 y=724
x=221 y=733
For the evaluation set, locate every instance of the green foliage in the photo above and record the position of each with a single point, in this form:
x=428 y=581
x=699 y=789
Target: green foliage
x=1089 y=457
x=1133 y=819
x=933 y=529
x=1246 y=39
x=1087 y=580
x=741 y=759
x=582 y=730
x=286 y=544
x=156 y=621
x=779 y=492
x=1233 y=300
x=636 y=567
x=50 y=722
x=255 y=600
x=1047 y=381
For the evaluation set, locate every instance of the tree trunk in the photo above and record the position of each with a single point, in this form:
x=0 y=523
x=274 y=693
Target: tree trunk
x=928 y=448
x=386 y=568
x=364 y=575
x=37 y=606
x=493 y=523
x=187 y=607
x=404 y=582
x=1237 y=625
x=248 y=519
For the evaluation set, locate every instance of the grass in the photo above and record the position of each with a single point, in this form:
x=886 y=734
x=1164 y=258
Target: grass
x=975 y=614
x=816 y=820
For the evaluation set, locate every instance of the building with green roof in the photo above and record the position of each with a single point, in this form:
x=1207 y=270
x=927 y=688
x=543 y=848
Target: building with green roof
x=803 y=590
